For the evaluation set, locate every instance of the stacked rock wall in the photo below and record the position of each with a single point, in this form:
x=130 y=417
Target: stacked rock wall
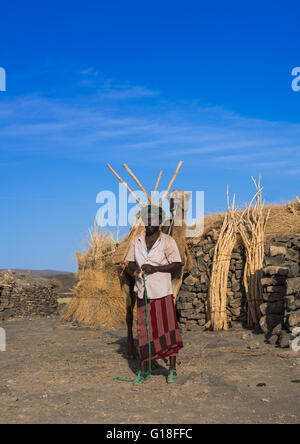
x=27 y=296
x=281 y=289
x=191 y=301
x=280 y=305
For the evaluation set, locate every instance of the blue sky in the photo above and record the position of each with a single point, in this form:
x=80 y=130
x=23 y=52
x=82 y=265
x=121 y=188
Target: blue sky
x=144 y=83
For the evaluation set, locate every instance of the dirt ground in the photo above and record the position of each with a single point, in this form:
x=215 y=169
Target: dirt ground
x=58 y=373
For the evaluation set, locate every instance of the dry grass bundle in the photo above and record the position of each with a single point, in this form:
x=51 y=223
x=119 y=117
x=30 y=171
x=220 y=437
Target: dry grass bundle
x=282 y=220
x=98 y=299
x=7 y=278
x=100 y=245
x=217 y=295
x=251 y=225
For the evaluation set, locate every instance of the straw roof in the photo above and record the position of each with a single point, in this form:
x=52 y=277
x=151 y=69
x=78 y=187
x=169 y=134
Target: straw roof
x=283 y=220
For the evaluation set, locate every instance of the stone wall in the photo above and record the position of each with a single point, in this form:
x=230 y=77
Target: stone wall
x=194 y=290
x=280 y=305
x=27 y=296
x=281 y=289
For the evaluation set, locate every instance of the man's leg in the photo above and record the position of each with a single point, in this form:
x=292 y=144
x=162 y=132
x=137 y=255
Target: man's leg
x=142 y=374
x=131 y=349
x=129 y=321
x=172 y=363
x=145 y=366
x=172 y=376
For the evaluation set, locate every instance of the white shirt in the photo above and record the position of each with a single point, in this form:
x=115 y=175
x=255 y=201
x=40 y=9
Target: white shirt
x=163 y=252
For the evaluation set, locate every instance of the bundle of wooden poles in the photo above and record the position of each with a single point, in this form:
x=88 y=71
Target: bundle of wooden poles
x=217 y=295
x=150 y=199
x=251 y=225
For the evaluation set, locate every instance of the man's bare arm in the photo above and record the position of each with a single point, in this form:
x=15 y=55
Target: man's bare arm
x=169 y=268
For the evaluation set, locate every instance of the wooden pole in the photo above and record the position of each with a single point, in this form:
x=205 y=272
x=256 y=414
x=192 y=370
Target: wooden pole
x=156 y=186
x=125 y=184
x=137 y=181
x=217 y=294
x=171 y=183
x=251 y=226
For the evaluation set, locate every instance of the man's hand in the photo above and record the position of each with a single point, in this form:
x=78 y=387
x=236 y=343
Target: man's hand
x=149 y=269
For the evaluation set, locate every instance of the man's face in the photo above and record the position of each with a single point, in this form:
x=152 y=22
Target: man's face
x=153 y=224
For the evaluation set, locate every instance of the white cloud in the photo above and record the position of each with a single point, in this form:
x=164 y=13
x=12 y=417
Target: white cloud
x=113 y=121
x=133 y=92
x=107 y=89
x=89 y=72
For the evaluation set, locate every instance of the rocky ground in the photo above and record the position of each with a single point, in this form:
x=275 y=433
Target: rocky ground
x=58 y=373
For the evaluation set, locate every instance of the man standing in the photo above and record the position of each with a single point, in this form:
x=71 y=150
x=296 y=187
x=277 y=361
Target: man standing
x=155 y=256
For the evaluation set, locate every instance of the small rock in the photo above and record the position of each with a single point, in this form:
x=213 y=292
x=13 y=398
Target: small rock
x=273 y=339
x=292 y=285
x=190 y=280
x=268 y=322
x=253 y=346
x=284 y=339
x=294 y=318
x=277 y=330
x=276 y=251
x=272 y=308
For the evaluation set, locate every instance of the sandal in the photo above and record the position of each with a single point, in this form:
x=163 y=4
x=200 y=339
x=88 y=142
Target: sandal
x=171 y=376
x=140 y=379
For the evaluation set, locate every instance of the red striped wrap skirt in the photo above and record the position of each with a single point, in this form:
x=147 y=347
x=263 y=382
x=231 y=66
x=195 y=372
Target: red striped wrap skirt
x=165 y=337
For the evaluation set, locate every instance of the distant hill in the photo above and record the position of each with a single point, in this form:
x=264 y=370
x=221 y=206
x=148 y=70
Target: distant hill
x=41 y=273
x=66 y=279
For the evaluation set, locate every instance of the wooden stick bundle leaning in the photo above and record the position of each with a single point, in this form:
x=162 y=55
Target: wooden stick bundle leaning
x=139 y=222
x=217 y=295
x=150 y=200
x=251 y=225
